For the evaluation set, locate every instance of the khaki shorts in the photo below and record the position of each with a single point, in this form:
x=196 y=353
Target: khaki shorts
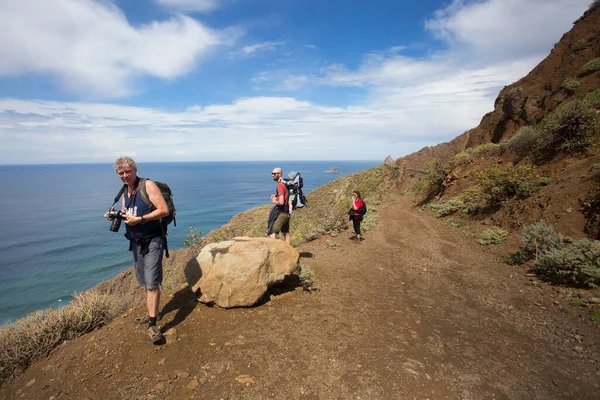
x=282 y=223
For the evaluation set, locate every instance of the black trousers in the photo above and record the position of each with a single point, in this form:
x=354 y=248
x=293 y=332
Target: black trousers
x=356 y=222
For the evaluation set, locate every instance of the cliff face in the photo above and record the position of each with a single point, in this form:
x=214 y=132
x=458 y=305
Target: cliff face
x=529 y=100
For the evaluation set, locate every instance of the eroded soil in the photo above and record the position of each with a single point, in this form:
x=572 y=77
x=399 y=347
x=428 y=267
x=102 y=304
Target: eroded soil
x=418 y=310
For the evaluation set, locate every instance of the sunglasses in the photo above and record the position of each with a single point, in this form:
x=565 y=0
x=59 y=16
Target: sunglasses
x=275 y=173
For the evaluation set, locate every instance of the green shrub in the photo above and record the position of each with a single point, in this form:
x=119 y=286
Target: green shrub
x=444 y=209
x=494 y=235
x=522 y=142
x=431 y=181
x=497 y=184
x=577 y=263
x=579 y=45
x=592 y=99
x=577 y=303
x=591 y=67
x=595 y=314
x=539 y=237
x=307 y=278
x=569 y=129
x=193 y=237
x=469 y=153
x=517 y=258
x=594 y=5
x=570 y=85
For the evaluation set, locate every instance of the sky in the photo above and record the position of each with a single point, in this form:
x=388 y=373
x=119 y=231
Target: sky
x=86 y=81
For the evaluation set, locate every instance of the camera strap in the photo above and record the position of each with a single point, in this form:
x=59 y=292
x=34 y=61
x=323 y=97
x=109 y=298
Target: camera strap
x=118 y=196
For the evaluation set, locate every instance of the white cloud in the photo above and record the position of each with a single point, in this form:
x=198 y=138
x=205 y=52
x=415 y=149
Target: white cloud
x=190 y=5
x=488 y=31
x=250 y=129
x=407 y=102
x=91 y=48
x=254 y=49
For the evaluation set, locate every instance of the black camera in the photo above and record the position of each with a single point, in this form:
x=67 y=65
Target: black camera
x=116 y=216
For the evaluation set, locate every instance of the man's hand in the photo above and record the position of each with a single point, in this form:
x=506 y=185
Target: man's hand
x=132 y=220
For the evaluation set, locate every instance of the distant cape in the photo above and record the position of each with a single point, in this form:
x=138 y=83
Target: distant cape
x=334 y=170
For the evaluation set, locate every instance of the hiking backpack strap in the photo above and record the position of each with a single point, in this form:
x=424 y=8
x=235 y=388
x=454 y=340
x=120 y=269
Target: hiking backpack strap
x=146 y=200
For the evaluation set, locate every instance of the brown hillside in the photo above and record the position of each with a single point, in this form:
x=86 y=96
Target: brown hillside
x=529 y=100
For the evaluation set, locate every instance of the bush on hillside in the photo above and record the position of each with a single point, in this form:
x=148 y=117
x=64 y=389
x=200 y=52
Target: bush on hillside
x=568 y=130
x=494 y=235
x=577 y=263
x=469 y=153
x=539 y=237
x=431 y=182
x=570 y=85
x=442 y=209
x=34 y=336
x=522 y=142
x=592 y=99
x=595 y=5
x=497 y=184
x=590 y=67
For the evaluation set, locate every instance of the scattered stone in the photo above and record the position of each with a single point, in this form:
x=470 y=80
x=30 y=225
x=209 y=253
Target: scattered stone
x=578 y=349
x=162 y=362
x=245 y=379
x=171 y=335
x=163 y=378
x=30 y=383
x=183 y=374
x=193 y=384
x=158 y=386
x=530 y=275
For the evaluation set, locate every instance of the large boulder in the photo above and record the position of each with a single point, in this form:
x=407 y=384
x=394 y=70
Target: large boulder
x=238 y=272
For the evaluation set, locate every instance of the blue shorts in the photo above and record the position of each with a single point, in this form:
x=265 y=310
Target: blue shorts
x=148 y=267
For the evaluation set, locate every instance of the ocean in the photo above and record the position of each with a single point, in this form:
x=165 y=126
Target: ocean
x=55 y=241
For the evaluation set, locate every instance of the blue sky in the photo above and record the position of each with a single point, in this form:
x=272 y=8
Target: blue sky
x=208 y=80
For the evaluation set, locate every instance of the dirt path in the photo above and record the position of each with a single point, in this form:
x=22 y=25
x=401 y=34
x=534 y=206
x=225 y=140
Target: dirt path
x=416 y=311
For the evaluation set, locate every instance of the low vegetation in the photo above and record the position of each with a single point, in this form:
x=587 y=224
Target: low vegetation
x=193 y=237
x=307 y=278
x=574 y=262
x=498 y=184
x=592 y=99
x=34 y=336
x=522 y=142
x=570 y=85
x=568 y=130
x=590 y=67
x=494 y=235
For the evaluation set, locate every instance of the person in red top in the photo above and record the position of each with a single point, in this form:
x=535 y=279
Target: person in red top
x=355 y=215
x=281 y=199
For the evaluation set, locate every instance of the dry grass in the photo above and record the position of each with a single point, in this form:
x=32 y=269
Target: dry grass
x=34 y=336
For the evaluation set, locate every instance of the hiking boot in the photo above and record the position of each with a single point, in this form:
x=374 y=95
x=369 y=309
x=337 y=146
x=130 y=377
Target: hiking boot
x=155 y=335
x=352 y=238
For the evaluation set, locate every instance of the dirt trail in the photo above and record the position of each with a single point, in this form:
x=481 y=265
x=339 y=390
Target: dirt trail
x=418 y=310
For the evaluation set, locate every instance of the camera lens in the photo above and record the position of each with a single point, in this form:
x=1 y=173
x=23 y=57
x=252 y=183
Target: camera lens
x=115 y=224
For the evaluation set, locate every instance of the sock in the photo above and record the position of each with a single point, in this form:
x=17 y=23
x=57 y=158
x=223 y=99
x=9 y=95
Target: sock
x=151 y=321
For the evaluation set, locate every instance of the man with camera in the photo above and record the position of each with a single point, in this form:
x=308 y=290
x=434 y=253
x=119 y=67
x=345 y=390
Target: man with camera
x=145 y=234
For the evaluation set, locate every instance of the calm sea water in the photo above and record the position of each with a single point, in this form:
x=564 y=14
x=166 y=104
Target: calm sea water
x=54 y=240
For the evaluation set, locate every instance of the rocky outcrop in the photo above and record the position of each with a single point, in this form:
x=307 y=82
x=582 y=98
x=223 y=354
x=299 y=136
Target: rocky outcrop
x=238 y=272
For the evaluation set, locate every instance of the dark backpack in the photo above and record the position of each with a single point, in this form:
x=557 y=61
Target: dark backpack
x=362 y=210
x=167 y=194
